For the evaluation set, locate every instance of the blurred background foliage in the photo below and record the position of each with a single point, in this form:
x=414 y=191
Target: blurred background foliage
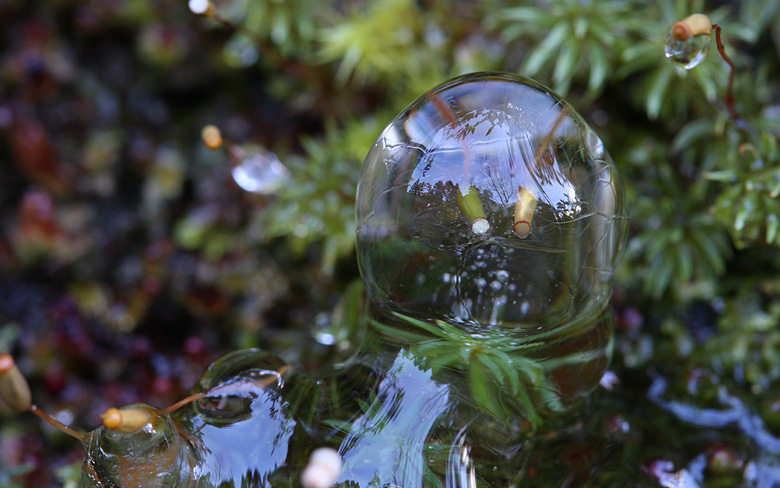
x=128 y=245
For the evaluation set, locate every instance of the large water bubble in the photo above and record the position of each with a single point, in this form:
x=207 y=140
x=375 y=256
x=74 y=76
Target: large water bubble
x=490 y=202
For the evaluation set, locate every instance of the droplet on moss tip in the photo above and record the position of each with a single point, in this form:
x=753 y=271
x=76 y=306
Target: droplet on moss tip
x=688 y=53
x=688 y=41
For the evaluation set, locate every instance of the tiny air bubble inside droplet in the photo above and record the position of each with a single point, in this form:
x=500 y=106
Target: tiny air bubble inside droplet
x=688 y=53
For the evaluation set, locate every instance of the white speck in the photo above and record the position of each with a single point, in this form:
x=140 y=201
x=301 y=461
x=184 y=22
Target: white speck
x=323 y=468
x=325 y=338
x=609 y=380
x=198 y=6
x=480 y=226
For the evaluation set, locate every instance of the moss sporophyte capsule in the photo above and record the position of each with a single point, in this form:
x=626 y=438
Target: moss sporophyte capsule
x=490 y=218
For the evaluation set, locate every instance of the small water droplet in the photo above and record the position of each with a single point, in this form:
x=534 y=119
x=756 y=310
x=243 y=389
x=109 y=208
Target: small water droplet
x=688 y=53
x=260 y=173
x=231 y=401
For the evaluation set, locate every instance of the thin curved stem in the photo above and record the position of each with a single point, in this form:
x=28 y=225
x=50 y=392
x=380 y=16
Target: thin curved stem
x=185 y=401
x=56 y=423
x=730 y=89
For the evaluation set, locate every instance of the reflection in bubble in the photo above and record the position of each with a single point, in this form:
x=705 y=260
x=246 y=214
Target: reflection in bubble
x=490 y=173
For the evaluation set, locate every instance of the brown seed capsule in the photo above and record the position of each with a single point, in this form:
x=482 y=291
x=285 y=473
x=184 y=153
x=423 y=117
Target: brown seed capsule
x=127 y=420
x=212 y=137
x=693 y=25
x=14 y=388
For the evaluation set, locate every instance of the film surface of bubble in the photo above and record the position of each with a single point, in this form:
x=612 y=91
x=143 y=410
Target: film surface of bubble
x=490 y=202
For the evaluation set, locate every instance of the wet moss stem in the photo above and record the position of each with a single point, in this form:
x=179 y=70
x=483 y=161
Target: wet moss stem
x=56 y=423
x=730 y=89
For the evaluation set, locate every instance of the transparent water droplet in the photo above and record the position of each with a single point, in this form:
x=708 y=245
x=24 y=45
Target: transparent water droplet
x=154 y=455
x=233 y=384
x=688 y=53
x=232 y=400
x=261 y=173
x=447 y=183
